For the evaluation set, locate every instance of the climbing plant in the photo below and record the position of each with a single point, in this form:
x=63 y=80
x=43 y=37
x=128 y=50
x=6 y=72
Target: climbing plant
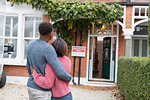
x=74 y=14
x=149 y=30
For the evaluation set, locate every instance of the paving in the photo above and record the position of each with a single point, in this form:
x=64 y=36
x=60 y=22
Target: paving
x=19 y=92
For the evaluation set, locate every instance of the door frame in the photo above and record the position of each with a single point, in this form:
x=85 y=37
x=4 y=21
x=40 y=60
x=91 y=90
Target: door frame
x=113 y=75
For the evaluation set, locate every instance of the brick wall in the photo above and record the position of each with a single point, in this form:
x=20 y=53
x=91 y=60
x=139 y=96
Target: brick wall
x=128 y=16
x=15 y=70
x=121 y=43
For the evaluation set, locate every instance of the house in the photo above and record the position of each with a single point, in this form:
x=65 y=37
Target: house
x=102 y=48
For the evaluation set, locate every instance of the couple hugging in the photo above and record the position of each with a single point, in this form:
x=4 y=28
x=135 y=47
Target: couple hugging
x=48 y=67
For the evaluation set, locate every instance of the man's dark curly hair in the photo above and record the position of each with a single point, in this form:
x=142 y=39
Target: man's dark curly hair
x=45 y=28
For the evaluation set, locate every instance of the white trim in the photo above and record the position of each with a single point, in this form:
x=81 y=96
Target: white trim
x=120 y=23
x=103 y=35
x=124 y=18
x=117 y=45
x=111 y=62
x=139 y=22
x=87 y=65
x=88 y=73
x=128 y=33
x=145 y=18
x=141 y=36
x=133 y=12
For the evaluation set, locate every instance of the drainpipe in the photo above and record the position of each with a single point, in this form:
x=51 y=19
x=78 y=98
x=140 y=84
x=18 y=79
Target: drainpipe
x=79 y=72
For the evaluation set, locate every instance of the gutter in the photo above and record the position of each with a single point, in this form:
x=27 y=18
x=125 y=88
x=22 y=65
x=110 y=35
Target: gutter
x=130 y=3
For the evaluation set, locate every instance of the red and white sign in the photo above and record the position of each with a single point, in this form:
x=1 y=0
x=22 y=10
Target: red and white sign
x=78 y=51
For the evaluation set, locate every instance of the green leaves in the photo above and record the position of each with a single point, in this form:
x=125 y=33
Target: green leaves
x=134 y=78
x=76 y=10
x=81 y=14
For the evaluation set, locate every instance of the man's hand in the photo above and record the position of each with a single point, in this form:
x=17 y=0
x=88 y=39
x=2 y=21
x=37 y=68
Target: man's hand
x=32 y=69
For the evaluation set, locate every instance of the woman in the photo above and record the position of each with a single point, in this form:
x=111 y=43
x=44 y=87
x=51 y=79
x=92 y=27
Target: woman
x=60 y=89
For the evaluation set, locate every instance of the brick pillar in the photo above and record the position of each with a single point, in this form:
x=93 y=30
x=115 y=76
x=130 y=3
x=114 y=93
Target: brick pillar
x=128 y=31
x=47 y=19
x=128 y=17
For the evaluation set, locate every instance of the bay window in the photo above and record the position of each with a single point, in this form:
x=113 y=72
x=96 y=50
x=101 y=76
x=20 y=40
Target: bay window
x=139 y=41
x=31 y=30
x=10 y=35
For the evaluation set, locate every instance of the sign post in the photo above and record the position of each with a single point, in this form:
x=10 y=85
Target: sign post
x=78 y=51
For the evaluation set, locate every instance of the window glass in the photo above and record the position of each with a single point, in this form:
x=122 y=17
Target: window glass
x=136 y=47
x=140 y=47
x=38 y=21
x=15 y=27
x=2 y=17
x=31 y=31
x=12 y=42
x=27 y=41
x=144 y=48
x=8 y=25
x=141 y=30
x=29 y=26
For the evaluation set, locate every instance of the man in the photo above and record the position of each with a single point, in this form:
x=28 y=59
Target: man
x=39 y=52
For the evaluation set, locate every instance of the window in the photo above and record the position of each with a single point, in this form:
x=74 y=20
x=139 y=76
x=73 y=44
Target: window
x=140 y=47
x=10 y=35
x=31 y=30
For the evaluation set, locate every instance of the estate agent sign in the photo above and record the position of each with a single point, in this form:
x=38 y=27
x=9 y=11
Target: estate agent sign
x=78 y=51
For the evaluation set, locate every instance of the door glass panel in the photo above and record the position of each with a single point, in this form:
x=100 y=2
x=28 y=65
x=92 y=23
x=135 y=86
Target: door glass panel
x=136 y=47
x=144 y=48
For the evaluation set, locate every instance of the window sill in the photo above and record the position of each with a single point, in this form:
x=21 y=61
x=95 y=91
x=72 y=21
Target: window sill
x=17 y=62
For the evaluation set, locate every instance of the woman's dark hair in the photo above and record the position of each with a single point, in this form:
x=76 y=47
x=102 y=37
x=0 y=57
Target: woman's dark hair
x=45 y=28
x=60 y=47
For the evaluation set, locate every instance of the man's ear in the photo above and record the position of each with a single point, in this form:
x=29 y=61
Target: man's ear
x=51 y=35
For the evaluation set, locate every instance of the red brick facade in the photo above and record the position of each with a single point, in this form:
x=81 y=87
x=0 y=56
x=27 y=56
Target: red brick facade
x=21 y=70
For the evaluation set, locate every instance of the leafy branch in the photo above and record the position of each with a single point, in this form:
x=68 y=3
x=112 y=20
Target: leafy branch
x=75 y=14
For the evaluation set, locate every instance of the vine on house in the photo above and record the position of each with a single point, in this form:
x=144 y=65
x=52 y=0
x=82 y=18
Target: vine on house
x=70 y=14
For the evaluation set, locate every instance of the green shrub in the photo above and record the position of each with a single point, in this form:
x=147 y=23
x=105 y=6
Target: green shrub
x=134 y=78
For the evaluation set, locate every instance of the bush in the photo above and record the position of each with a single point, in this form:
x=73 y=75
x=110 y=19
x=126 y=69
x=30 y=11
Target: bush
x=134 y=78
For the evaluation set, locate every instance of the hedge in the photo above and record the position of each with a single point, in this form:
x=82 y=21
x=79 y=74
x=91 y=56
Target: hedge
x=134 y=78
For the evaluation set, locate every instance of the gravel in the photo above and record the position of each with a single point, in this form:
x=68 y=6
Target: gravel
x=19 y=92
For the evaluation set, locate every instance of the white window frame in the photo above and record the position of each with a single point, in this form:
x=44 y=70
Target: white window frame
x=29 y=38
x=140 y=38
x=11 y=37
x=20 y=11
